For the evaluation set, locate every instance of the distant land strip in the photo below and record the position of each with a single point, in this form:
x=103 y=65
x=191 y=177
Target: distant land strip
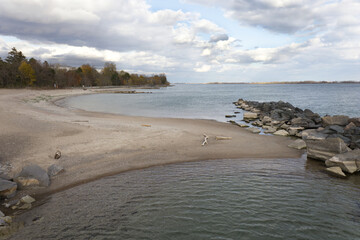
x=296 y=82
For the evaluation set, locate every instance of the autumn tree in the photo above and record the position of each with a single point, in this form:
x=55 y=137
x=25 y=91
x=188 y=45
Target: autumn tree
x=27 y=74
x=89 y=75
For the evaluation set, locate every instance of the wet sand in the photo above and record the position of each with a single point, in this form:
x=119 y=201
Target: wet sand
x=94 y=145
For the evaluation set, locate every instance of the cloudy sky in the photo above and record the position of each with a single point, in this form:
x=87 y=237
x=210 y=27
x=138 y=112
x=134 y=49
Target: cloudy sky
x=192 y=40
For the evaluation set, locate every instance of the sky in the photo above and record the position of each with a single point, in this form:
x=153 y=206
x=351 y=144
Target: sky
x=192 y=41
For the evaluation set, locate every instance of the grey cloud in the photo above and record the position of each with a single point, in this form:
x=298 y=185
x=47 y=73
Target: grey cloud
x=282 y=17
x=219 y=37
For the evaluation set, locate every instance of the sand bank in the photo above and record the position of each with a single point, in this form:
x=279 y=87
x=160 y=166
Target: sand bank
x=94 y=145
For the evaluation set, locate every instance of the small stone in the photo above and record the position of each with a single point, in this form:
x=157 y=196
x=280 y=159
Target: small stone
x=7 y=219
x=250 y=116
x=269 y=129
x=7 y=188
x=2 y=222
x=27 y=199
x=230 y=116
x=281 y=133
x=57 y=154
x=243 y=125
x=2 y=214
x=25 y=206
x=336 y=171
x=253 y=130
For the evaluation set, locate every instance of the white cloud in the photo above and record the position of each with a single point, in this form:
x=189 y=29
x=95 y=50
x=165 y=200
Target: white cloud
x=201 y=68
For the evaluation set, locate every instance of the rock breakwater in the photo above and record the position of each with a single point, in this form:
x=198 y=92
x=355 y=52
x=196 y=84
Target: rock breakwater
x=329 y=137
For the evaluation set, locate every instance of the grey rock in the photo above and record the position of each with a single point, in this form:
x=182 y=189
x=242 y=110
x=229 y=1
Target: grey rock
x=57 y=154
x=337 y=128
x=298 y=144
x=269 y=129
x=250 y=116
x=281 y=114
x=257 y=123
x=27 y=199
x=336 y=171
x=2 y=214
x=2 y=222
x=55 y=170
x=281 y=132
x=324 y=149
x=253 y=130
x=33 y=172
x=349 y=162
x=294 y=130
x=266 y=120
x=312 y=134
x=7 y=188
x=356 y=121
x=302 y=122
x=335 y=120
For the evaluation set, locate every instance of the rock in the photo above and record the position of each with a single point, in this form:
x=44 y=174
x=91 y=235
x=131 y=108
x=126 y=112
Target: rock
x=335 y=120
x=336 y=171
x=281 y=132
x=243 y=125
x=55 y=170
x=2 y=222
x=298 y=144
x=4 y=176
x=302 y=122
x=269 y=129
x=253 y=130
x=257 y=123
x=31 y=173
x=336 y=128
x=7 y=219
x=25 y=206
x=355 y=121
x=57 y=154
x=285 y=126
x=230 y=116
x=312 y=134
x=7 y=188
x=323 y=149
x=2 y=214
x=250 y=116
x=349 y=162
x=275 y=123
x=294 y=130
x=350 y=127
x=266 y=120
x=27 y=199
x=281 y=114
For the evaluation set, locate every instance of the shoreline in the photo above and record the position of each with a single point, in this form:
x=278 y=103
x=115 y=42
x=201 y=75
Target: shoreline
x=96 y=145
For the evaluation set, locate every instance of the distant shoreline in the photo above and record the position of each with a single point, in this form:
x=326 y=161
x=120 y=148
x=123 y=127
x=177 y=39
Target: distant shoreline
x=297 y=82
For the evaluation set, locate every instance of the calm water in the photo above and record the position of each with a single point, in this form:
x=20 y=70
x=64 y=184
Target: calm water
x=222 y=199
x=215 y=101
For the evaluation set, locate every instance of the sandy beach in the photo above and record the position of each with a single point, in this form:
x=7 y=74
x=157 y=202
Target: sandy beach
x=94 y=145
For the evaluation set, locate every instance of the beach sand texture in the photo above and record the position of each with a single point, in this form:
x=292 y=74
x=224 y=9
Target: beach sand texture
x=94 y=145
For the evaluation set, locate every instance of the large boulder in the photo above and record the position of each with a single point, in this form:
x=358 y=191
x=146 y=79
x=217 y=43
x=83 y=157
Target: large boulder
x=324 y=149
x=335 y=120
x=281 y=114
x=294 y=130
x=266 y=120
x=32 y=175
x=349 y=162
x=250 y=116
x=7 y=188
x=54 y=170
x=356 y=121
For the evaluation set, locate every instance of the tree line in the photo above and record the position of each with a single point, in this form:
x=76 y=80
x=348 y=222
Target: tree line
x=16 y=71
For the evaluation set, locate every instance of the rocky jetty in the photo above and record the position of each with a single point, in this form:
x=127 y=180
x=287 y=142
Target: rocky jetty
x=332 y=139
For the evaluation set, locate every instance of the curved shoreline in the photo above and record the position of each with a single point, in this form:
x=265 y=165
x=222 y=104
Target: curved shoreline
x=95 y=145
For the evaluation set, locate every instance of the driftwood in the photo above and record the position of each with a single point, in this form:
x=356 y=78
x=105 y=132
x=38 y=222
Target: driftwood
x=205 y=140
x=146 y=125
x=223 y=138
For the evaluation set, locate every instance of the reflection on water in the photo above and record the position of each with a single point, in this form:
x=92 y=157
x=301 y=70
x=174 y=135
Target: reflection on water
x=222 y=199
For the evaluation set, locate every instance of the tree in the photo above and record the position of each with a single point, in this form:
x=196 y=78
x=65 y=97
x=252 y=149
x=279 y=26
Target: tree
x=27 y=74
x=109 y=75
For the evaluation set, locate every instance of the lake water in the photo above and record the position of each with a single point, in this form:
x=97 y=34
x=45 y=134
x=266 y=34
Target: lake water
x=221 y=199
x=208 y=101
